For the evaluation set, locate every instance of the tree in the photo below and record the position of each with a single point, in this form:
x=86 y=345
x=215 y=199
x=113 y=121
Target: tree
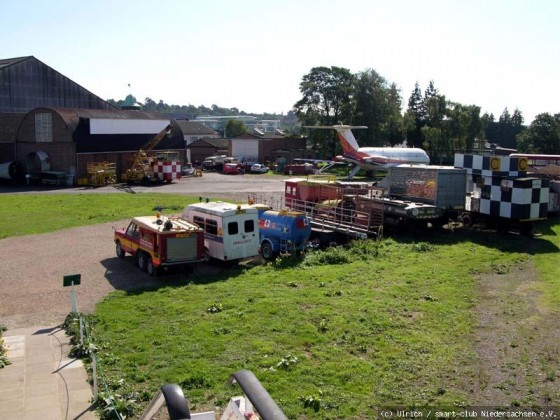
x=464 y=125
x=378 y=106
x=235 y=127
x=415 y=118
x=431 y=92
x=543 y=135
x=327 y=100
x=504 y=132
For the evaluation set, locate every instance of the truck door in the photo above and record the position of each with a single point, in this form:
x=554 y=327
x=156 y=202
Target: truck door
x=131 y=238
x=241 y=236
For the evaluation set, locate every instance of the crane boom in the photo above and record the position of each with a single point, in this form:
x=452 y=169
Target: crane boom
x=140 y=169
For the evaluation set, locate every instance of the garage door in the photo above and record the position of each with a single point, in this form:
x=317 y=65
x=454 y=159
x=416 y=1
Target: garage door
x=245 y=148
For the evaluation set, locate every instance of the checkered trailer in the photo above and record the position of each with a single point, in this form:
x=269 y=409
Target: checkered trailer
x=498 y=186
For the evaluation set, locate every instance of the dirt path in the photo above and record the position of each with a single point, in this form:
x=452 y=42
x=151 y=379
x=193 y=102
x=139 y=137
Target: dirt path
x=517 y=343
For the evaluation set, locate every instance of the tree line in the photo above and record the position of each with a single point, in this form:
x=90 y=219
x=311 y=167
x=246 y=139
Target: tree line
x=334 y=95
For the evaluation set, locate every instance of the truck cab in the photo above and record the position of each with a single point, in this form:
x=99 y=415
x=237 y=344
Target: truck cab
x=158 y=242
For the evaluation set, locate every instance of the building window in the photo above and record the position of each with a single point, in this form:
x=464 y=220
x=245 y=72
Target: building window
x=43 y=128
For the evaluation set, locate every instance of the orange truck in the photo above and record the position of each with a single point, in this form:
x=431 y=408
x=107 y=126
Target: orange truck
x=159 y=241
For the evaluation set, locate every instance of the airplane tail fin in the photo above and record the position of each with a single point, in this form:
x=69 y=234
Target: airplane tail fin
x=346 y=137
x=348 y=142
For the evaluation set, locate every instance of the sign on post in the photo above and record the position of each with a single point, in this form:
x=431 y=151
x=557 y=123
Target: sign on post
x=71 y=280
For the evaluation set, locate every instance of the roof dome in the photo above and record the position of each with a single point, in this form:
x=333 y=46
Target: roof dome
x=130 y=102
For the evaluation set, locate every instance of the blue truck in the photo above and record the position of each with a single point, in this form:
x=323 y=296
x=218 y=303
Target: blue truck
x=284 y=231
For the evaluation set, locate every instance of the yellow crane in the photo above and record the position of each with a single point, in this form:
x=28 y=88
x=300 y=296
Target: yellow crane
x=141 y=169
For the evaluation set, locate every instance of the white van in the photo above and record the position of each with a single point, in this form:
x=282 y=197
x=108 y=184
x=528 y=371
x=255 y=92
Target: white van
x=231 y=231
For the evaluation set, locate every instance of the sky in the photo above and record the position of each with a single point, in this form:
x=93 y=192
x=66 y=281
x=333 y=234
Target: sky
x=253 y=54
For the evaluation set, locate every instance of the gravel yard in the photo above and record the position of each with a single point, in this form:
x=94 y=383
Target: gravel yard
x=31 y=291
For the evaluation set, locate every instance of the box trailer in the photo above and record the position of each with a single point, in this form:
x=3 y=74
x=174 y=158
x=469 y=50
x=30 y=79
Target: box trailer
x=440 y=186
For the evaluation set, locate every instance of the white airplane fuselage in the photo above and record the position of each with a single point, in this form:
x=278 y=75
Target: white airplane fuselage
x=373 y=158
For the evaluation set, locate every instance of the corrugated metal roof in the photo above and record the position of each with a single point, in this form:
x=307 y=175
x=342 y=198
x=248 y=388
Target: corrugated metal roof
x=193 y=127
x=265 y=136
x=72 y=117
x=5 y=62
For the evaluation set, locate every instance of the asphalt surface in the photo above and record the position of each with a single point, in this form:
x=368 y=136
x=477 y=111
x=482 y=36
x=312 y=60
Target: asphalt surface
x=210 y=184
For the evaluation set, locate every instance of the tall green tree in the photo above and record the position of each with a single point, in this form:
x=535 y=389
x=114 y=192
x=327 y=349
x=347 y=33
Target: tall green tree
x=543 y=135
x=235 y=127
x=504 y=131
x=414 y=118
x=378 y=106
x=327 y=99
x=464 y=126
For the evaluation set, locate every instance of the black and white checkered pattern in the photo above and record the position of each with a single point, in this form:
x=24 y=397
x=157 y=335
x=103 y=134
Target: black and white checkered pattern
x=512 y=198
x=504 y=166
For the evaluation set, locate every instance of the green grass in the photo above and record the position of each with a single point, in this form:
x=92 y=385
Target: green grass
x=24 y=214
x=353 y=328
x=342 y=331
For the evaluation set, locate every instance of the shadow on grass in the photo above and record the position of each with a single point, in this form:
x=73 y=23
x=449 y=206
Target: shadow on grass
x=124 y=274
x=512 y=242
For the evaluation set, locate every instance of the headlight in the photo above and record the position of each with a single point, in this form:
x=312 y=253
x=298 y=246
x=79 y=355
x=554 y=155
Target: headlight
x=415 y=212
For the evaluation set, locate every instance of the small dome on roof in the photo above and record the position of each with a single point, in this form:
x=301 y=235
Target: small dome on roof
x=130 y=103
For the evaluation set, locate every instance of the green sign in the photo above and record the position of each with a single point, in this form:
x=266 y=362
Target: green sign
x=72 y=279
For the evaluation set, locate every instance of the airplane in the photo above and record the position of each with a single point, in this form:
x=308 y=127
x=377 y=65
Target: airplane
x=373 y=158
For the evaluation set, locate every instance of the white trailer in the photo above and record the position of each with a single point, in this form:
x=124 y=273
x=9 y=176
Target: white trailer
x=231 y=231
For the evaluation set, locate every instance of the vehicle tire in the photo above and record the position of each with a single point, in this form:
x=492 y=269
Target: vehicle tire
x=267 y=251
x=206 y=257
x=526 y=228
x=503 y=226
x=118 y=249
x=142 y=259
x=151 y=268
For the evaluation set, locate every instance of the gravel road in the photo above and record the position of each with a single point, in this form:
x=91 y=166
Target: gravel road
x=31 y=291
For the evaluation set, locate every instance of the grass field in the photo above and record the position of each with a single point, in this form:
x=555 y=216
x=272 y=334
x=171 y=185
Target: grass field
x=25 y=214
x=334 y=335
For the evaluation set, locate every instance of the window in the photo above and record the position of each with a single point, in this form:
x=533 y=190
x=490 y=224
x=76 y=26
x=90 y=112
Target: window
x=211 y=227
x=233 y=228
x=199 y=221
x=249 y=226
x=132 y=230
x=43 y=128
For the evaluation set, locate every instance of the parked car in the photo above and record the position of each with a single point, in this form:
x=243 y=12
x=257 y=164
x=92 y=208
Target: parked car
x=233 y=168
x=259 y=168
x=188 y=169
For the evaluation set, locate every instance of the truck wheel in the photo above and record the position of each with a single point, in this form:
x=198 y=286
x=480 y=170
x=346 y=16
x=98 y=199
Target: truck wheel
x=267 y=251
x=118 y=249
x=142 y=260
x=151 y=268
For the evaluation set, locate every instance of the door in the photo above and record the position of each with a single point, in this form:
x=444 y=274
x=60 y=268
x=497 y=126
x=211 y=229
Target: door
x=131 y=238
x=241 y=236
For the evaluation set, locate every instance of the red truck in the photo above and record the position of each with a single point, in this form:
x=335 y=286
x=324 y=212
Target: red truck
x=158 y=242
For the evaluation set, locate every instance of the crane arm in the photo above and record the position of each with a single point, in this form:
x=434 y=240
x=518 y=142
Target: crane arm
x=141 y=154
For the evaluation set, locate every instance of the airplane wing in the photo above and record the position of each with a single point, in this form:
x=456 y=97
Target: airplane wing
x=336 y=127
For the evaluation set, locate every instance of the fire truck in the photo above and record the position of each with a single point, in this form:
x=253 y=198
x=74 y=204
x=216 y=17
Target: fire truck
x=159 y=242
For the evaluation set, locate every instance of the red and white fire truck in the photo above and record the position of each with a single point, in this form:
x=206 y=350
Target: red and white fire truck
x=159 y=241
